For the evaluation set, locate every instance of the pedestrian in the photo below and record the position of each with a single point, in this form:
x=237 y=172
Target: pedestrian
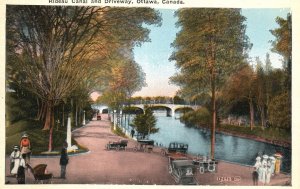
x=257 y=169
x=255 y=177
x=21 y=170
x=264 y=169
x=25 y=147
x=64 y=160
x=272 y=165
x=13 y=156
x=268 y=171
x=132 y=133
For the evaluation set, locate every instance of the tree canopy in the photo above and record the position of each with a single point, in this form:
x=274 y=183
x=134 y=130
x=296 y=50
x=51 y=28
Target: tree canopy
x=59 y=49
x=145 y=123
x=210 y=45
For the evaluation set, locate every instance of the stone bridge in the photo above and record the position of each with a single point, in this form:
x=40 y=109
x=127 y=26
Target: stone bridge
x=171 y=108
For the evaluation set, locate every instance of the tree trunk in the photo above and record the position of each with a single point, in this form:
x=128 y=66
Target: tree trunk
x=80 y=116
x=262 y=117
x=76 y=115
x=63 y=116
x=49 y=109
x=42 y=111
x=39 y=109
x=128 y=120
x=251 y=113
x=213 y=108
x=72 y=113
x=51 y=130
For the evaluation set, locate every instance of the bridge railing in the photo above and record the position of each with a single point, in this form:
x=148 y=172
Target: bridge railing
x=149 y=102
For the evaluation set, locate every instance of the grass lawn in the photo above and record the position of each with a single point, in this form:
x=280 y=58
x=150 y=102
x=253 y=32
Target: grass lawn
x=118 y=131
x=39 y=138
x=274 y=134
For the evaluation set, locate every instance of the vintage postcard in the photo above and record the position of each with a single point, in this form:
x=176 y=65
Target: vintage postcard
x=144 y=93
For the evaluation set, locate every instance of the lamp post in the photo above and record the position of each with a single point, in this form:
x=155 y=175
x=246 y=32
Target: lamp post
x=69 y=132
x=83 y=121
x=114 y=114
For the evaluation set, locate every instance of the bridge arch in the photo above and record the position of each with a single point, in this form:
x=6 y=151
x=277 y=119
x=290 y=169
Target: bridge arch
x=171 y=108
x=184 y=109
x=168 y=109
x=101 y=108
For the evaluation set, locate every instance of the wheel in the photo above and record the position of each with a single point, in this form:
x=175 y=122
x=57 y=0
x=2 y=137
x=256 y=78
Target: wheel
x=211 y=167
x=201 y=170
x=180 y=172
x=170 y=169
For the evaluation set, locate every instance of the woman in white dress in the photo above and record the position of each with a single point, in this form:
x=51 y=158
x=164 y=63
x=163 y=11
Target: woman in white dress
x=268 y=171
x=14 y=170
x=272 y=159
x=256 y=172
x=264 y=169
x=13 y=156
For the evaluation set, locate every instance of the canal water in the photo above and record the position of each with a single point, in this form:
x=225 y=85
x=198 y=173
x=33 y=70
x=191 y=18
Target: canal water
x=228 y=148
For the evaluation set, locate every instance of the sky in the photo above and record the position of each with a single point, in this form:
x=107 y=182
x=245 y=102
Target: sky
x=153 y=56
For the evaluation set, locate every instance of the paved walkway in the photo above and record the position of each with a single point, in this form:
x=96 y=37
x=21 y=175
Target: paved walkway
x=100 y=166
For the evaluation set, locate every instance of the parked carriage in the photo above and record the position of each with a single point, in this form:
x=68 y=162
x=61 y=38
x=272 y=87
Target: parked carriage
x=40 y=174
x=117 y=145
x=175 y=147
x=145 y=145
x=205 y=164
x=182 y=169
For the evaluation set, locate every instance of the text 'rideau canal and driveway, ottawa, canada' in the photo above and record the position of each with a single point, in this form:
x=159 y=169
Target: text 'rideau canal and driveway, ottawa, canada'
x=120 y=2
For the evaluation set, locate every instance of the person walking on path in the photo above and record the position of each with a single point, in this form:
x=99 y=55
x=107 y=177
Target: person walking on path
x=21 y=170
x=13 y=156
x=25 y=147
x=132 y=133
x=64 y=160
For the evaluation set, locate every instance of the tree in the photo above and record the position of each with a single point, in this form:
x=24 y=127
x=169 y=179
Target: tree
x=280 y=111
x=55 y=46
x=178 y=100
x=260 y=90
x=210 y=45
x=283 y=46
x=280 y=105
x=199 y=117
x=268 y=73
x=145 y=123
x=124 y=77
x=241 y=85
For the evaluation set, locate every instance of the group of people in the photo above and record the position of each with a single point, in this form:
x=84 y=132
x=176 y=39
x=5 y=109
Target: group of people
x=19 y=159
x=264 y=169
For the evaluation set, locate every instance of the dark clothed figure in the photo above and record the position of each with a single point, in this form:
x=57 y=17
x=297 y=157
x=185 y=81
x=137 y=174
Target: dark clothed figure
x=132 y=133
x=21 y=170
x=255 y=178
x=64 y=160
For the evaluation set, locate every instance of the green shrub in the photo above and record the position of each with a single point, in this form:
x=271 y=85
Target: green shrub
x=118 y=131
x=21 y=126
x=199 y=117
x=280 y=111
